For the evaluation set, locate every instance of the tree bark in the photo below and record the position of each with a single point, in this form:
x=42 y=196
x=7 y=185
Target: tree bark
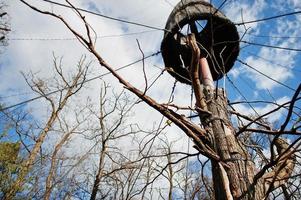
x=229 y=182
x=240 y=172
x=232 y=169
x=99 y=174
x=233 y=175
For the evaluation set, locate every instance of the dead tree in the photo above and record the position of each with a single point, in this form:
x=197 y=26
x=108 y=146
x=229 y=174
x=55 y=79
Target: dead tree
x=235 y=178
x=39 y=86
x=4 y=24
x=234 y=172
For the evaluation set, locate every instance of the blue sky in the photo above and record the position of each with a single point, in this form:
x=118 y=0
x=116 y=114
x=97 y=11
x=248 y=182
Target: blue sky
x=35 y=38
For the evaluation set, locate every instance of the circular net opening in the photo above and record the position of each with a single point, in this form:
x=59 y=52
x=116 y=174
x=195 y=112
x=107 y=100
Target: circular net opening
x=216 y=36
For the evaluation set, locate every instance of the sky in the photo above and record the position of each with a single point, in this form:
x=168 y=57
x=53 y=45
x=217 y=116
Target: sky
x=36 y=38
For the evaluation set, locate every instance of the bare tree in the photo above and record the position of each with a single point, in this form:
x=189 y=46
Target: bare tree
x=40 y=87
x=4 y=24
x=229 y=149
x=108 y=133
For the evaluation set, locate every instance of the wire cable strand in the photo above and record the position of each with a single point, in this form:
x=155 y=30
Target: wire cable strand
x=269 y=36
x=87 y=80
x=269 y=18
x=263 y=74
x=273 y=62
x=241 y=94
x=270 y=46
x=220 y=6
x=107 y=17
x=74 y=38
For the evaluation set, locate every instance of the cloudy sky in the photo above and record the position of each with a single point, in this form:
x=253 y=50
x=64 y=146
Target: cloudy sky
x=35 y=38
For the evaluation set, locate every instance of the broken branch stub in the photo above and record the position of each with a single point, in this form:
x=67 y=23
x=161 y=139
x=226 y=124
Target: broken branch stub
x=218 y=39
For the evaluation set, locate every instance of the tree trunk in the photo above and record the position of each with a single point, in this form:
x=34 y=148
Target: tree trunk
x=234 y=174
x=99 y=173
x=233 y=179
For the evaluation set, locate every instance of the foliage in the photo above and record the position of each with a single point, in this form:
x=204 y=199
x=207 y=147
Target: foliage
x=92 y=150
x=9 y=164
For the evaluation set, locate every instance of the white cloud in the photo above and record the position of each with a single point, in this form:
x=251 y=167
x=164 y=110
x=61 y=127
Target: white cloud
x=235 y=72
x=262 y=82
x=274 y=59
x=277 y=63
x=36 y=55
x=272 y=118
x=117 y=51
x=244 y=11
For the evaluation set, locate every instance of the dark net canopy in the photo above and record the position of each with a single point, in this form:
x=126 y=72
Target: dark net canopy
x=217 y=38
